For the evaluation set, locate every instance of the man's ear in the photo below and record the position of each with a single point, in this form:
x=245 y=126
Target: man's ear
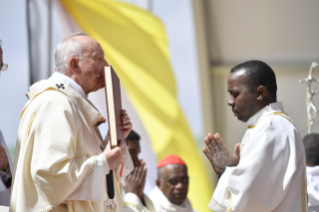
x=74 y=65
x=158 y=183
x=261 y=92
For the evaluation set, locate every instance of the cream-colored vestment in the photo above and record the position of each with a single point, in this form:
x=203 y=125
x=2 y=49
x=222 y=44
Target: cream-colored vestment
x=59 y=165
x=162 y=204
x=271 y=173
x=132 y=203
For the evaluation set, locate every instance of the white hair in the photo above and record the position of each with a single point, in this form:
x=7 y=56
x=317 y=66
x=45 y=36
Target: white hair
x=67 y=48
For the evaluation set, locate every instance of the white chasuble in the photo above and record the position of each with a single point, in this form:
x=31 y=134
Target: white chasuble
x=162 y=204
x=271 y=174
x=132 y=203
x=4 y=191
x=59 y=164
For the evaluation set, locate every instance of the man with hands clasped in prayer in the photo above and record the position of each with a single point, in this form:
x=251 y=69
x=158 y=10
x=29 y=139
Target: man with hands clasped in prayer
x=267 y=170
x=220 y=157
x=134 y=198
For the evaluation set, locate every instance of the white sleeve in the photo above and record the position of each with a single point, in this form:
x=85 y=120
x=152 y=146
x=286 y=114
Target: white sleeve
x=263 y=175
x=132 y=203
x=93 y=187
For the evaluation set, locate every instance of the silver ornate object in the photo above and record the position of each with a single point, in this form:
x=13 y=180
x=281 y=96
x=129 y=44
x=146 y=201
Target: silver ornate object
x=109 y=206
x=312 y=111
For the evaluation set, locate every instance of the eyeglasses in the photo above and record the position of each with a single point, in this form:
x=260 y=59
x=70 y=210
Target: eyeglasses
x=3 y=67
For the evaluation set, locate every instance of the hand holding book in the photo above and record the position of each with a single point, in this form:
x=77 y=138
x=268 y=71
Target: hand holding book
x=126 y=123
x=115 y=156
x=119 y=122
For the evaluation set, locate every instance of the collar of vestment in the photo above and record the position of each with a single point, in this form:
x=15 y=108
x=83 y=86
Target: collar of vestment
x=275 y=107
x=164 y=202
x=91 y=113
x=67 y=80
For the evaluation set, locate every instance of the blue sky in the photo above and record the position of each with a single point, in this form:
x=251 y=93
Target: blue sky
x=177 y=17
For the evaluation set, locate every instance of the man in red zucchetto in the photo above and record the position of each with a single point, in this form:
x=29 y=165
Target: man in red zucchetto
x=170 y=194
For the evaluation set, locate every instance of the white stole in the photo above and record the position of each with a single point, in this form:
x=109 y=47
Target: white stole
x=162 y=204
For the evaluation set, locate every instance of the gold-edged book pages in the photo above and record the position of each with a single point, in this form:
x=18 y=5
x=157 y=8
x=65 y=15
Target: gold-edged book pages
x=114 y=105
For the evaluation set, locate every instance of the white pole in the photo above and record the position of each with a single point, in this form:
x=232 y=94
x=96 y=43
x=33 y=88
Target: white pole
x=49 y=37
x=149 y=5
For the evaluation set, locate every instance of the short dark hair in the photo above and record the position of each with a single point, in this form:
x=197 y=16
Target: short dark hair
x=311 y=143
x=258 y=73
x=132 y=136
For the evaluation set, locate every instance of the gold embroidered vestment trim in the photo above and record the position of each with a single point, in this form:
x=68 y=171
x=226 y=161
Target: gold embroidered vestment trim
x=282 y=114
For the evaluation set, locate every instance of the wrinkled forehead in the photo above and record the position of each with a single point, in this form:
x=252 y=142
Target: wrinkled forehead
x=91 y=46
x=175 y=170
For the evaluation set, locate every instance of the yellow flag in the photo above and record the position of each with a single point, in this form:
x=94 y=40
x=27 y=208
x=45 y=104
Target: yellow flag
x=135 y=44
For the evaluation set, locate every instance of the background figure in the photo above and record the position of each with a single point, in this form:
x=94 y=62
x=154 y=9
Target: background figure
x=311 y=143
x=170 y=194
x=135 y=199
x=133 y=145
x=5 y=159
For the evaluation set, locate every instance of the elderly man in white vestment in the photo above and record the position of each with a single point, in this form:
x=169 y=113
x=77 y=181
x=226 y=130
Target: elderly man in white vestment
x=60 y=164
x=311 y=143
x=134 y=198
x=170 y=194
x=267 y=170
x=5 y=159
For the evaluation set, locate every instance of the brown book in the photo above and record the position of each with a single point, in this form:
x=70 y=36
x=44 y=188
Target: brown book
x=114 y=105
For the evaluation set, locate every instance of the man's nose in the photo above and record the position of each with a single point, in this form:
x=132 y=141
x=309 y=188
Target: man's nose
x=105 y=63
x=136 y=160
x=181 y=185
x=231 y=101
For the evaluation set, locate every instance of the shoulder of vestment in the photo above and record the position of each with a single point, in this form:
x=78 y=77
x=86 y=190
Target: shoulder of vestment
x=59 y=90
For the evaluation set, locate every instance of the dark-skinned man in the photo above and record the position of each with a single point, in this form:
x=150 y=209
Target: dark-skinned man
x=268 y=173
x=172 y=186
x=134 y=199
x=311 y=143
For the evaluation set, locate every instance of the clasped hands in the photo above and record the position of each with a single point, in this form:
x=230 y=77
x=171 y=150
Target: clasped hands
x=117 y=155
x=135 y=181
x=218 y=154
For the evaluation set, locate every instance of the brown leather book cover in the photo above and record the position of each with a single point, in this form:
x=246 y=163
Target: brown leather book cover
x=114 y=105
